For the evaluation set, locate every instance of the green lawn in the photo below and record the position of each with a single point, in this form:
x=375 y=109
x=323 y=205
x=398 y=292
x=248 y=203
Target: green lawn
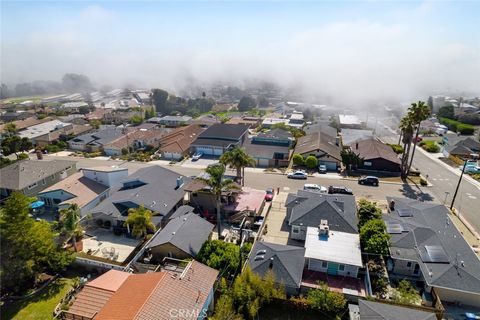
x=41 y=305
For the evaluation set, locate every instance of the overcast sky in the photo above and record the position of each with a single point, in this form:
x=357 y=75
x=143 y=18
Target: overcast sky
x=350 y=48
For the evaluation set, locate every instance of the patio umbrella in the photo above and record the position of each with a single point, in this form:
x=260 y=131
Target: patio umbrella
x=37 y=204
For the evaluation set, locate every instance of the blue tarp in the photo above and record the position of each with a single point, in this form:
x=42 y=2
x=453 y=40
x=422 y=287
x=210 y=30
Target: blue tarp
x=37 y=204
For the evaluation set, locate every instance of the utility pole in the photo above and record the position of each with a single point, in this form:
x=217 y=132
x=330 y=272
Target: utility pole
x=125 y=132
x=472 y=156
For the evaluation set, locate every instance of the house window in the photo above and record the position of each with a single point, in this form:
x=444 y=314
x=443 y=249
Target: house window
x=43 y=182
x=367 y=163
x=296 y=229
x=409 y=264
x=324 y=264
x=53 y=176
x=32 y=186
x=341 y=267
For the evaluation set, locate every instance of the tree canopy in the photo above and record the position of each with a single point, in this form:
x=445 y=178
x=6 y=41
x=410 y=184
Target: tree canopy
x=311 y=162
x=14 y=144
x=325 y=300
x=220 y=255
x=446 y=112
x=373 y=237
x=140 y=220
x=237 y=158
x=246 y=103
x=367 y=210
x=28 y=247
x=159 y=98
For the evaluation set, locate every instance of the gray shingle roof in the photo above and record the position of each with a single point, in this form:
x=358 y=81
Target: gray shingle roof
x=430 y=225
x=187 y=232
x=370 y=310
x=182 y=210
x=287 y=264
x=101 y=137
x=308 y=208
x=224 y=131
x=24 y=173
x=157 y=191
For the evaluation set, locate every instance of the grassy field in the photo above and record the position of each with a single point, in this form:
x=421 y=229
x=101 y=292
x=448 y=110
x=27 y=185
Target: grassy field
x=41 y=305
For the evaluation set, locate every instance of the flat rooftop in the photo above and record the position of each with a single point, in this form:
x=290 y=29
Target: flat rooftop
x=339 y=247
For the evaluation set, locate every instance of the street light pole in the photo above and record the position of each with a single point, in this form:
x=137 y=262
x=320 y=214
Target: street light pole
x=473 y=156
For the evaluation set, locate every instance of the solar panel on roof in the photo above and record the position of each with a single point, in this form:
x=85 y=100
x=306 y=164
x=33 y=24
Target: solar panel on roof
x=405 y=212
x=434 y=254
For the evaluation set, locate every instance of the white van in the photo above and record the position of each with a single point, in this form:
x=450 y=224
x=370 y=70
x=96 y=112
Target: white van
x=315 y=187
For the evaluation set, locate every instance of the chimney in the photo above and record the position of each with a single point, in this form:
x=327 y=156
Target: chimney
x=323 y=228
x=356 y=145
x=392 y=205
x=179 y=182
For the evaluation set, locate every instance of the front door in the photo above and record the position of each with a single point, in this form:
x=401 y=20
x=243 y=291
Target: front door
x=332 y=268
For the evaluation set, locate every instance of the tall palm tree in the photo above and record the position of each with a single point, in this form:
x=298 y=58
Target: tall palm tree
x=418 y=112
x=407 y=127
x=140 y=220
x=70 y=218
x=217 y=184
x=237 y=159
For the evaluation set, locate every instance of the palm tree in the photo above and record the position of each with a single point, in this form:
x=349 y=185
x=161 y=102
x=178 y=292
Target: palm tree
x=217 y=184
x=140 y=219
x=407 y=127
x=418 y=112
x=237 y=159
x=70 y=218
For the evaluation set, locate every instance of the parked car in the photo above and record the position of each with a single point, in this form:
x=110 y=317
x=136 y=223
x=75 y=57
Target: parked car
x=369 y=180
x=197 y=156
x=297 y=175
x=315 y=187
x=339 y=190
x=269 y=194
x=471 y=168
x=322 y=168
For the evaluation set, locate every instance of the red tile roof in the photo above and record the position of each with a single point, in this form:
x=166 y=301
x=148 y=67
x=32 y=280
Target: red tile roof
x=111 y=280
x=179 y=141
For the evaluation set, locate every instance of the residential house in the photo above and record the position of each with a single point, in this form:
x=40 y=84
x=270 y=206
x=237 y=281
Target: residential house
x=157 y=189
x=63 y=133
x=332 y=252
x=176 y=144
x=376 y=156
x=269 y=122
x=307 y=209
x=324 y=147
x=95 y=141
x=155 y=295
x=171 y=121
x=181 y=238
x=135 y=140
x=372 y=310
x=350 y=136
x=252 y=122
x=464 y=148
x=25 y=123
x=86 y=188
x=349 y=121
x=296 y=120
x=270 y=149
x=142 y=97
x=14 y=116
x=219 y=138
x=32 y=176
x=73 y=107
x=425 y=244
x=42 y=129
x=286 y=262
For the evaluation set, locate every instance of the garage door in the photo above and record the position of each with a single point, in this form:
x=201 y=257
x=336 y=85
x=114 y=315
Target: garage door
x=263 y=162
x=205 y=150
x=330 y=165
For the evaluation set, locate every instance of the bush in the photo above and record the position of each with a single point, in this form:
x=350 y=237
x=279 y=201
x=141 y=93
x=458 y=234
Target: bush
x=311 y=162
x=430 y=146
x=398 y=149
x=22 y=156
x=298 y=159
x=423 y=182
x=473 y=119
x=457 y=126
x=466 y=129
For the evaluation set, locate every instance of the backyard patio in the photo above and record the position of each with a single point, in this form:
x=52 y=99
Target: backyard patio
x=104 y=244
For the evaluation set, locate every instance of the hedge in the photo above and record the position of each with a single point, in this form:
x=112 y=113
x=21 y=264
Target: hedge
x=429 y=146
x=457 y=126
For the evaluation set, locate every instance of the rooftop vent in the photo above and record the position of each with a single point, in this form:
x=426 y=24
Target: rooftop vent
x=258 y=258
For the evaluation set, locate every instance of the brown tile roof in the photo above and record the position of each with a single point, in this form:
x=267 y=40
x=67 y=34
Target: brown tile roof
x=88 y=303
x=318 y=141
x=110 y=280
x=179 y=141
x=126 y=303
x=372 y=149
x=96 y=293
x=186 y=292
x=148 y=136
x=84 y=189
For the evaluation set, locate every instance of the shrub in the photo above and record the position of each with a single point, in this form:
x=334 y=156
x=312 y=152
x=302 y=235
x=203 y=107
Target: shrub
x=430 y=146
x=457 y=126
x=398 y=149
x=465 y=129
x=22 y=156
x=311 y=162
x=423 y=182
x=298 y=159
